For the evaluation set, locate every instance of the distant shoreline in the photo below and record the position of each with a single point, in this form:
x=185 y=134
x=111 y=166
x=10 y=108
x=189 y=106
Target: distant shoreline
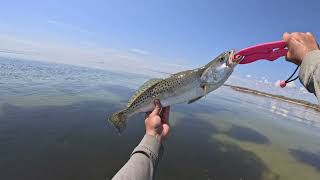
x=278 y=97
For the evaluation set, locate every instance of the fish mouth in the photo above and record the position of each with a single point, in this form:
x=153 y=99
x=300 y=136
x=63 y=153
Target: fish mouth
x=233 y=60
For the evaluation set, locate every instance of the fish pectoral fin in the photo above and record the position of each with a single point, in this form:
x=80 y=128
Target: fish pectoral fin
x=204 y=86
x=205 y=89
x=194 y=100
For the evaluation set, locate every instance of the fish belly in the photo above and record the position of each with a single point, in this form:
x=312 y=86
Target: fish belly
x=182 y=97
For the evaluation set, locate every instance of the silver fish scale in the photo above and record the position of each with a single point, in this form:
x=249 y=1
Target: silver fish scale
x=165 y=88
x=170 y=84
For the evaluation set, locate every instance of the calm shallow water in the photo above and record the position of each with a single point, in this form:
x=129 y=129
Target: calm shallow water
x=53 y=126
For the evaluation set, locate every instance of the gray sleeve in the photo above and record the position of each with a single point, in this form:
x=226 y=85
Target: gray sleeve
x=143 y=161
x=309 y=74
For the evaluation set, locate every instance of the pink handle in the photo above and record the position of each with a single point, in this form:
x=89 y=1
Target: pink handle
x=268 y=51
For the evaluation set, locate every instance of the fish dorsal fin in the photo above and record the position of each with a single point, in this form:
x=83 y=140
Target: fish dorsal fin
x=197 y=70
x=180 y=73
x=142 y=89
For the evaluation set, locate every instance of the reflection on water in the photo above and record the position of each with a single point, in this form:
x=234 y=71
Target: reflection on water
x=53 y=126
x=73 y=142
x=62 y=142
x=287 y=110
x=298 y=113
x=193 y=154
x=307 y=157
x=279 y=110
x=247 y=134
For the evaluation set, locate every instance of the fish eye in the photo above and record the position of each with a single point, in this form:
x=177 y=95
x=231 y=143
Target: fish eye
x=221 y=59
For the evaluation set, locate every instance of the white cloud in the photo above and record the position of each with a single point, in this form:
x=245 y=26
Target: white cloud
x=84 y=55
x=248 y=76
x=69 y=26
x=139 y=51
x=291 y=84
x=277 y=83
x=303 y=90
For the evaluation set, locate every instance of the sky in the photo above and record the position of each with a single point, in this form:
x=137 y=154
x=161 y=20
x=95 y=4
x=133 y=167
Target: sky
x=151 y=36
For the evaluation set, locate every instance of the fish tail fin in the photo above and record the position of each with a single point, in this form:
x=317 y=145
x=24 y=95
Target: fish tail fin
x=119 y=120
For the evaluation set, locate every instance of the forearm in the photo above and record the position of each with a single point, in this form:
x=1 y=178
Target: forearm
x=309 y=74
x=143 y=161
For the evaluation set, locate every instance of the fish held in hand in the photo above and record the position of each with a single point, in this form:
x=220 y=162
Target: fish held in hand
x=186 y=86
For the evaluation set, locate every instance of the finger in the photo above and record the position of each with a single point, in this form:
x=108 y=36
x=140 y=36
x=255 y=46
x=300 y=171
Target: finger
x=288 y=56
x=309 y=34
x=286 y=36
x=165 y=115
x=165 y=130
x=157 y=108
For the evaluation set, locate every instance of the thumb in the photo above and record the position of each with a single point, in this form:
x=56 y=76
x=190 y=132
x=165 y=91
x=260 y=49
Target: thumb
x=289 y=56
x=286 y=37
x=156 y=109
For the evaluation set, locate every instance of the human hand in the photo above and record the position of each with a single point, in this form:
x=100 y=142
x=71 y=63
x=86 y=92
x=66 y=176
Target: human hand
x=299 y=44
x=157 y=122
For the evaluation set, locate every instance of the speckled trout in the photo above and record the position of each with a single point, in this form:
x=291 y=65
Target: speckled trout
x=186 y=86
